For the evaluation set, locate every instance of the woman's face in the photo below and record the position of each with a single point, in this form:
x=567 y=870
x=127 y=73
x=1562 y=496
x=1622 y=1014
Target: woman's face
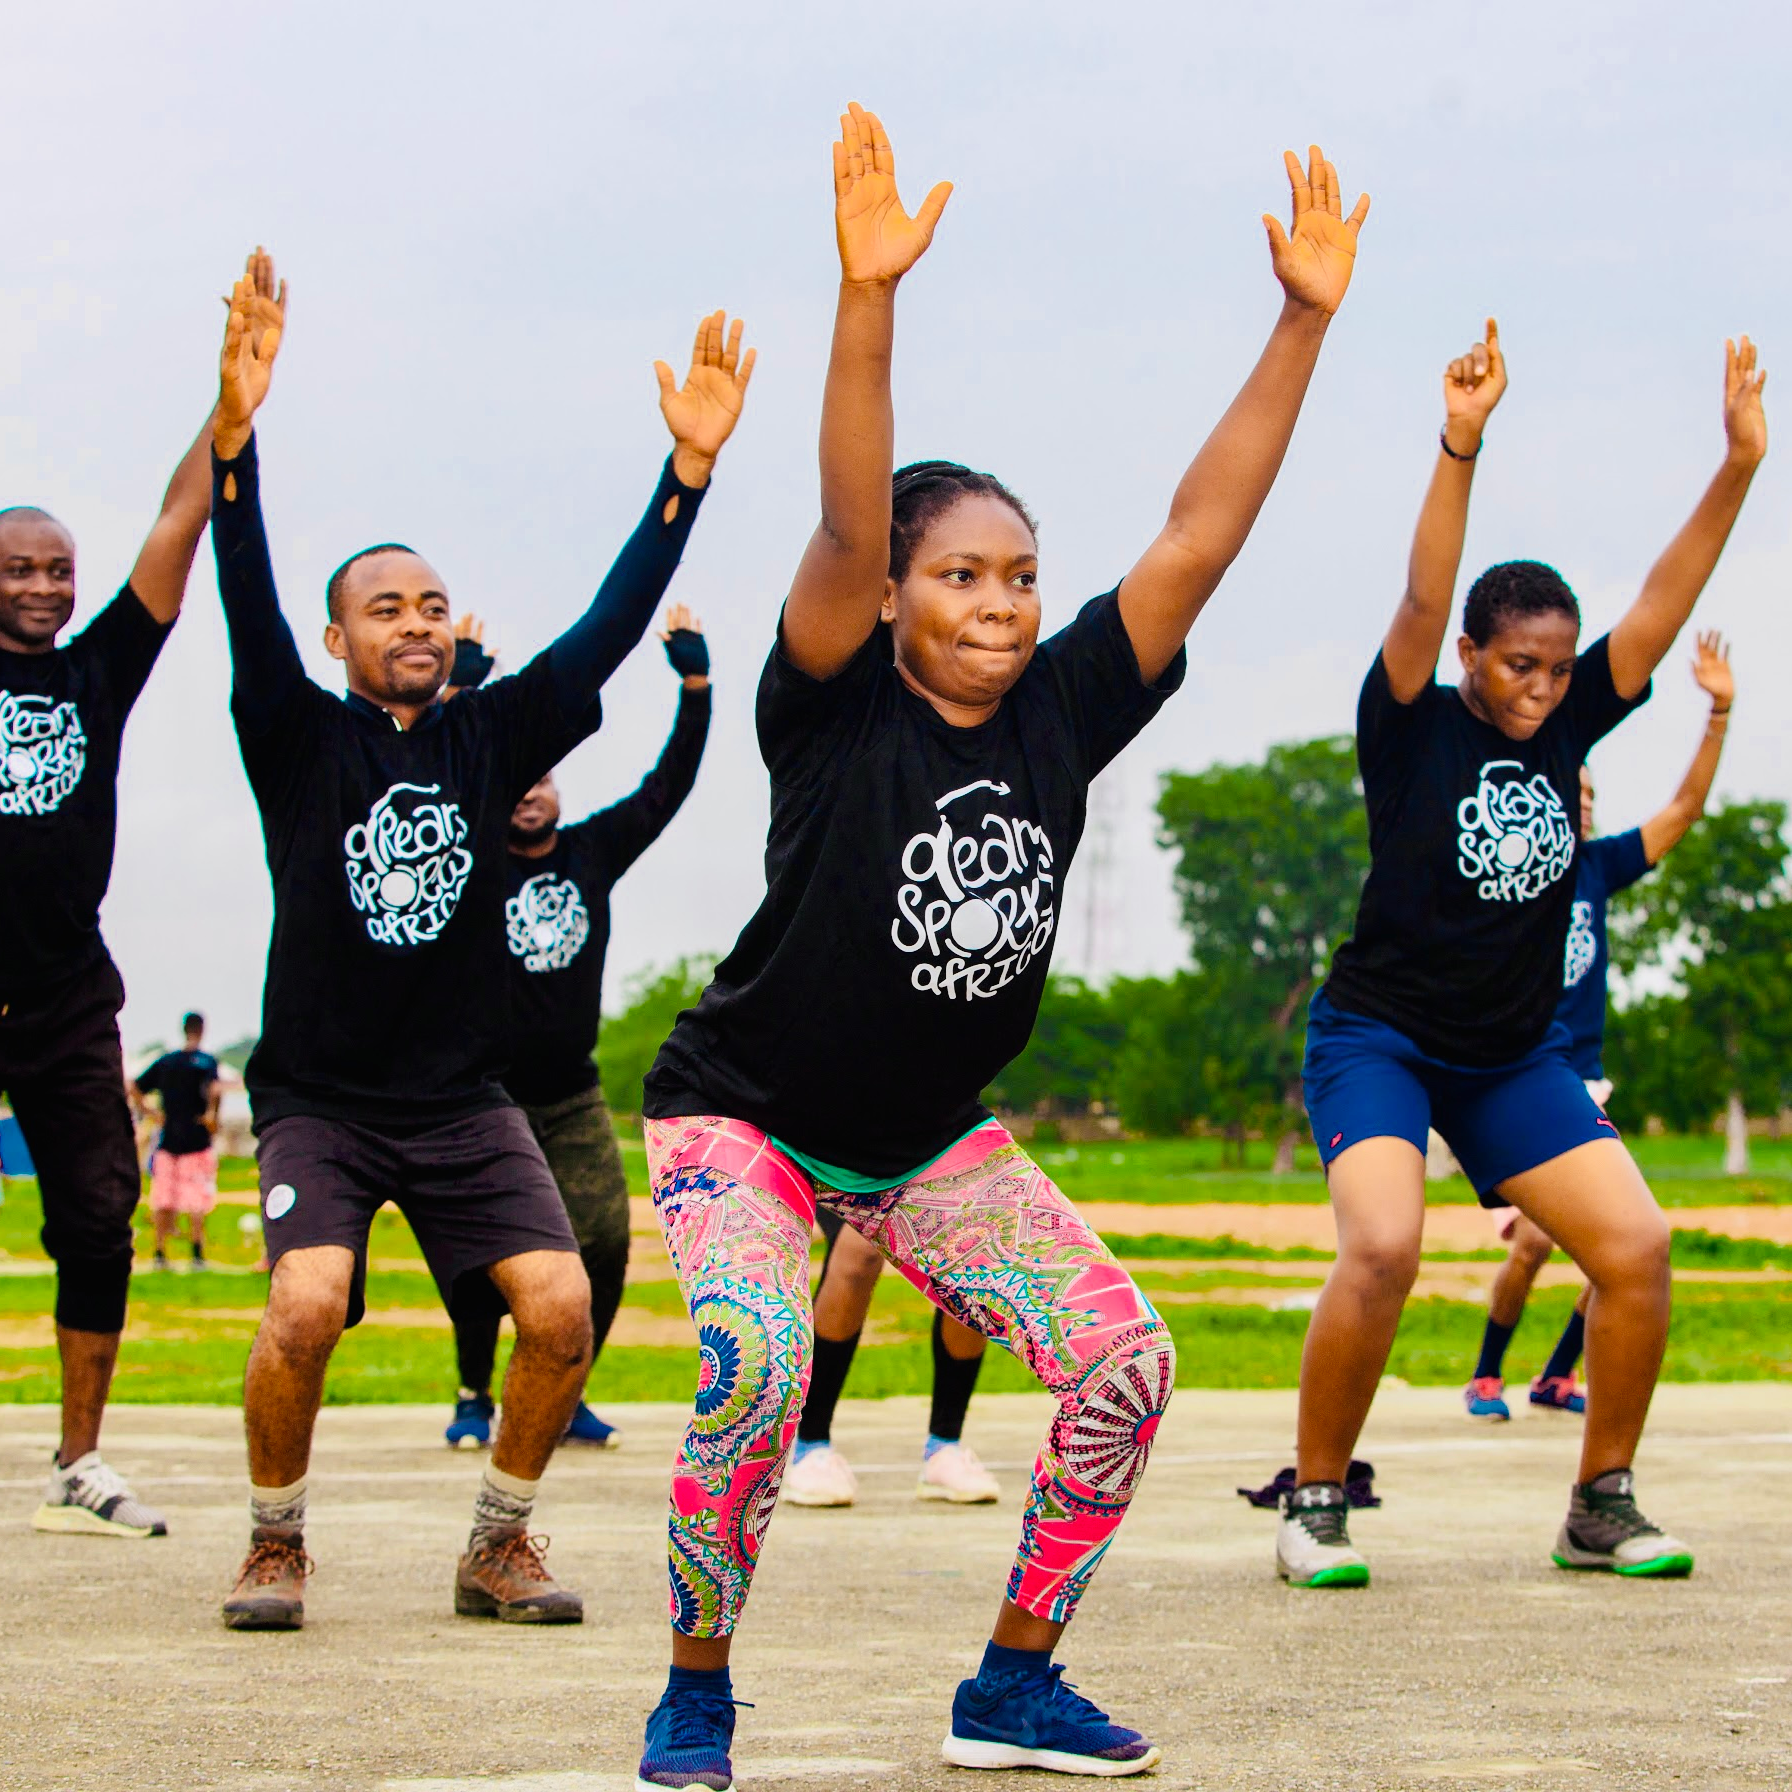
x=966 y=615
x=1518 y=676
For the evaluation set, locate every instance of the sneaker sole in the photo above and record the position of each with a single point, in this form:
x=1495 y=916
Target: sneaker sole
x=643 y=1785
x=926 y=1490
x=1676 y=1565
x=612 y=1442
x=470 y=1603
x=797 y=1499
x=78 y=1521
x=264 y=1617
x=960 y=1752
x=469 y=1443
x=1493 y=1418
x=1573 y=1412
x=1350 y=1574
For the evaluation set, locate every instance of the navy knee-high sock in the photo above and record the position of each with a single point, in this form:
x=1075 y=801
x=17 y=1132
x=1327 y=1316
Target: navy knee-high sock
x=1566 y=1354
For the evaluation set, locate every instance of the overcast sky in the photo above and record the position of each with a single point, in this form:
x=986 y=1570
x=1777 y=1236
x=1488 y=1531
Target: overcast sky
x=493 y=226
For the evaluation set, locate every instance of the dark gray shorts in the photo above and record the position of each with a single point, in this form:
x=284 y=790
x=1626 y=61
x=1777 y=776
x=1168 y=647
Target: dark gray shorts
x=475 y=1192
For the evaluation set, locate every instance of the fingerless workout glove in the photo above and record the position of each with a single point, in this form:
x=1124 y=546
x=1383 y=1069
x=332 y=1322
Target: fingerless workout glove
x=688 y=652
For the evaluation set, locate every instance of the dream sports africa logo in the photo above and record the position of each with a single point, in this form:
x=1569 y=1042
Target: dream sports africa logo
x=407 y=864
x=43 y=752
x=1514 y=836
x=1583 y=948
x=977 y=904
x=546 y=923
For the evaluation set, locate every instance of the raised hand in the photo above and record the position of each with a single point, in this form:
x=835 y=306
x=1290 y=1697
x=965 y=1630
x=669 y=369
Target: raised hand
x=1711 y=668
x=267 y=303
x=702 y=413
x=1745 y=420
x=681 y=618
x=686 y=650
x=879 y=241
x=245 y=370
x=1473 y=384
x=1314 y=258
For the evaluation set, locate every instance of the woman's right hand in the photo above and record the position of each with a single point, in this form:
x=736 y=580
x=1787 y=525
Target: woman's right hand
x=1473 y=385
x=879 y=241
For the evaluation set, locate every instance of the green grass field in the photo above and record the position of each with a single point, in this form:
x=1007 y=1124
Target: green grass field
x=189 y=1334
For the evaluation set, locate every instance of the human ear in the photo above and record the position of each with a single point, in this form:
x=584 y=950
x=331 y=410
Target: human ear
x=335 y=642
x=1468 y=653
x=887 y=611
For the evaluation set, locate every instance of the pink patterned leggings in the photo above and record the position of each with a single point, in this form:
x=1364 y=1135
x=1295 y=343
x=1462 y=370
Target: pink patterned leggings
x=985 y=1235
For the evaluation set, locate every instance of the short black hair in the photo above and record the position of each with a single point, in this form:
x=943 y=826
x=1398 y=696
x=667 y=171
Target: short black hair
x=339 y=578
x=926 y=489
x=192 y=1023
x=35 y=512
x=1513 y=589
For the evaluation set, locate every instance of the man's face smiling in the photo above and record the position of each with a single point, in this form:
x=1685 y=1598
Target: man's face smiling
x=37 y=581
x=393 y=629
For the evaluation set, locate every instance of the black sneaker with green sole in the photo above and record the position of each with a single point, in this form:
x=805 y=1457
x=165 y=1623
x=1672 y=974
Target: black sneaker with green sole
x=1605 y=1533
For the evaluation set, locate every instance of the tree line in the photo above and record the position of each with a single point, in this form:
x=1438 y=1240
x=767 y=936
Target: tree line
x=1269 y=859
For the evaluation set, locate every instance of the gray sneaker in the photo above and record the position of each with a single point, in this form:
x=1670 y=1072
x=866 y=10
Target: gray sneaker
x=90 y=1498
x=1604 y=1532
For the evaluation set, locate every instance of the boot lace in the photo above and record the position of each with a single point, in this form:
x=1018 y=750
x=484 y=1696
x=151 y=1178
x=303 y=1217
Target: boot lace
x=272 y=1559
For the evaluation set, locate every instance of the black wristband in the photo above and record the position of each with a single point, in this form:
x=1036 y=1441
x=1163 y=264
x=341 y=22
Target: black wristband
x=472 y=664
x=688 y=653
x=1719 y=713
x=1451 y=452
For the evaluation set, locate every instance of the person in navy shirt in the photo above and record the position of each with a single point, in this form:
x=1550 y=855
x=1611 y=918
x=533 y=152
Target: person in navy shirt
x=1602 y=868
x=183 y=1169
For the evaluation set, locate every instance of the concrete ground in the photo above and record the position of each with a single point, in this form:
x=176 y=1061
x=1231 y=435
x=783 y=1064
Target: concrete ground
x=1471 y=1661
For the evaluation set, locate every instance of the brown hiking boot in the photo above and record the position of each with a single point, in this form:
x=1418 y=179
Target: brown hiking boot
x=270 y=1590
x=506 y=1577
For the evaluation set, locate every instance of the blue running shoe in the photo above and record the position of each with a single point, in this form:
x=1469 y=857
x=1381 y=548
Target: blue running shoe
x=1560 y=1393
x=689 y=1733
x=1040 y=1720
x=588 y=1428
x=1485 y=1398
x=472 y=1427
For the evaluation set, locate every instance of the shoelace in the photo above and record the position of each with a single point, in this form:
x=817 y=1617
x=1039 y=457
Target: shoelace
x=696 y=1716
x=94 y=1486
x=1324 y=1524
x=271 y=1558
x=523 y=1555
x=1620 y=1510
x=1069 y=1702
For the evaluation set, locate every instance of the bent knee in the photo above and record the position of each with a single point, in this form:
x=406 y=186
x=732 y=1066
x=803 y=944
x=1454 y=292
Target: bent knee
x=1639 y=1257
x=1382 y=1265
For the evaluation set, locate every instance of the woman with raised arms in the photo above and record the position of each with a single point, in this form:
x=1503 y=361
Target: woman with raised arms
x=1439 y=1010
x=930 y=759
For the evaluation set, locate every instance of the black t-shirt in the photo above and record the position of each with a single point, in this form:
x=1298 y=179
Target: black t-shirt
x=1460 y=932
x=915 y=876
x=386 y=998
x=184 y=1081
x=62 y=717
x=557 y=920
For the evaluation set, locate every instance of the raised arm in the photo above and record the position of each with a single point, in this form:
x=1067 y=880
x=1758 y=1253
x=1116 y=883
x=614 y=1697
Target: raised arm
x=1642 y=638
x=701 y=416
x=629 y=827
x=839 y=587
x=1664 y=831
x=264 y=659
x=1473 y=384
x=160 y=576
x=1224 y=488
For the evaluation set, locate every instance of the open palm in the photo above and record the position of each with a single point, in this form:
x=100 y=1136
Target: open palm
x=702 y=413
x=245 y=370
x=1711 y=668
x=1745 y=418
x=1315 y=256
x=878 y=239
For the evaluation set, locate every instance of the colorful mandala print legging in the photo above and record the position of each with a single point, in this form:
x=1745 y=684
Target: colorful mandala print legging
x=985 y=1235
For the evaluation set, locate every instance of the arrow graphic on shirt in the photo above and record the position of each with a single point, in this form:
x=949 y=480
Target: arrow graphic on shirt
x=952 y=796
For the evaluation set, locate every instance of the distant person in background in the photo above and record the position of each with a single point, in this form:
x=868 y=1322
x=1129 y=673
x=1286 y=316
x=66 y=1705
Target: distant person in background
x=557 y=929
x=819 y=1474
x=62 y=717
x=1602 y=868
x=183 y=1170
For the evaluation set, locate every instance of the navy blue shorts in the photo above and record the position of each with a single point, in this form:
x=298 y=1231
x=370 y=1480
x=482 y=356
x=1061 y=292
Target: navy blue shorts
x=1366 y=1080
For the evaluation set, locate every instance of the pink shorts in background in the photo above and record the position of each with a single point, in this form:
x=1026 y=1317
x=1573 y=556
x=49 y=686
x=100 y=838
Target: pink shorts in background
x=183 y=1182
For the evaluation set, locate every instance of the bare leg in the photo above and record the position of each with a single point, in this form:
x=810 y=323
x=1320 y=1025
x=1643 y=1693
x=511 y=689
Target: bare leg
x=284 y=1384
x=166 y=1222
x=1530 y=1250
x=550 y=1303
x=1594 y=1203
x=1378 y=1195
x=88 y=1359
x=844 y=1297
x=962 y=1344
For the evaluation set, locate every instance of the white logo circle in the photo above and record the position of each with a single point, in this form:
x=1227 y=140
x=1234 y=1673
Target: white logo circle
x=280 y=1200
x=546 y=923
x=407 y=864
x=974 y=925
x=21 y=768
